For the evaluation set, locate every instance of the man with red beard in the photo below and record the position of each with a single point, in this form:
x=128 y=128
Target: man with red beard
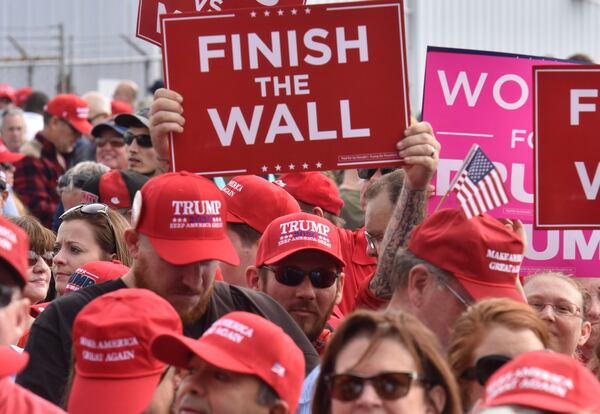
x=299 y=264
x=178 y=238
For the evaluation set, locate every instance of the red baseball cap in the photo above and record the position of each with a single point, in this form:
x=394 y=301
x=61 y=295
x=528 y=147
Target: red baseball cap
x=7 y=91
x=115 y=371
x=120 y=107
x=295 y=232
x=484 y=255
x=14 y=249
x=22 y=94
x=93 y=273
x=256 y=202
x=115 y=188
x=11 y=361
x=313 y=188
x=8 y=156
x=184 y=217
x=245 y=343
x=72 y=109
x=544 y=380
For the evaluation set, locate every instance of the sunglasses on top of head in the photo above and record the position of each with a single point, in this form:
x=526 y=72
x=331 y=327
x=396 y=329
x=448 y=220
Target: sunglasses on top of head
x=367 y=173
x=143 y=140
x=485 y=367
x=294 y=276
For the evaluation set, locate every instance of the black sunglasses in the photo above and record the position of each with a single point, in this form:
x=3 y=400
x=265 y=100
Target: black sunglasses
x=367 y=173
x=6 y=294
x=387 y=385
x=142 y=140
x=485 y=367
x=33 y=257
x=294 y=276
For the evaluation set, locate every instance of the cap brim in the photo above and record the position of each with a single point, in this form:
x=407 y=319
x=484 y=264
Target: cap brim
x=11 y=157
x=98 y=129
x=181 y=252
x=232 y=218
x=81 y=125
x=112 y=395
x=479 y=290
x=11 y=361
x=132 y=120
x=177 y=350
x=285 y=254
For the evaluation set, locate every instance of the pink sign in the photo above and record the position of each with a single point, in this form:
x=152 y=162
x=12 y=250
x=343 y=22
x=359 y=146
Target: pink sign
x=486 y=98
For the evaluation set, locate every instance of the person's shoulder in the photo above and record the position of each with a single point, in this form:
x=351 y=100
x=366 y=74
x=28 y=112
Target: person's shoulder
x=33 y=151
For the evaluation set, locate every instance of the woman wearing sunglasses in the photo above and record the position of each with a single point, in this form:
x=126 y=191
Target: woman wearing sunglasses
x=486 y=336
x=383 y=362
x=87 y=233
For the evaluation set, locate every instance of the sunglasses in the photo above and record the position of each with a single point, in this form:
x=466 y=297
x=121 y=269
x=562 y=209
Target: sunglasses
x=6 y=294
x=294 y=276
x=367 y=173
x=114 y=142
x=387 y=385
x=142 y=140
x=33 y=257
x=485 y=367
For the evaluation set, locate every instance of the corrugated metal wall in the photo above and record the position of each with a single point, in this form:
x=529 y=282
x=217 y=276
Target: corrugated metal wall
x=539 y=27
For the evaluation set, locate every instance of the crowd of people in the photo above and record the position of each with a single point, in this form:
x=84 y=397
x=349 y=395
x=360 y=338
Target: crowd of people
x=129 y=288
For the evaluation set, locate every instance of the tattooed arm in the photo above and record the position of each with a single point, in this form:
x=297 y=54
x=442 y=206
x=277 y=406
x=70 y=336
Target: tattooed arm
x=420 y=152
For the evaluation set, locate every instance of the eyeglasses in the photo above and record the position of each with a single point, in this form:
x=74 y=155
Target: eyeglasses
x=294 y=276
x=33 y=258
x=387 y=385
x=485 y=367
x=367 y=173
x=372 y=241
x=142 y=140
x=92 y=210
x=115 y=142
x=559 y=309
x=457 y=295
x=6 y=294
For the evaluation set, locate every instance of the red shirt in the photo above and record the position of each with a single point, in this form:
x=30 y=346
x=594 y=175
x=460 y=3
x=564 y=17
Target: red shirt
x=359 y=267
x=16 y=399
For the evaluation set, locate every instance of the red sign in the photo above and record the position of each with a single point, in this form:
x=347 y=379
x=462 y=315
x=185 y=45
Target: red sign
x=567 y=146
x=291 y=89
x=149 y=12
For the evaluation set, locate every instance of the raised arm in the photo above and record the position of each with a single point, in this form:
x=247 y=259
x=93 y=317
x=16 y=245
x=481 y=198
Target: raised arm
x=420 y=152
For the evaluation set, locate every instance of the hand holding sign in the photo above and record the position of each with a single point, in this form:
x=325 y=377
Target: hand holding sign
x=420 y=152
x=165 y=118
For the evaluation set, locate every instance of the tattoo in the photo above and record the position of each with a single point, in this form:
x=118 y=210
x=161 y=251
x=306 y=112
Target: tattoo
x=410 y=210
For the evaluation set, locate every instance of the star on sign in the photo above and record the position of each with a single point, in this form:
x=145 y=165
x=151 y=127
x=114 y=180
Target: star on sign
x=278 y=167
x=252 y=13
x=318 y=165
x=307 y=10
x=264 y=168
x=267 y=13
x=305 y=166
x=294 y=12
x=292 y=167
x=280 y=12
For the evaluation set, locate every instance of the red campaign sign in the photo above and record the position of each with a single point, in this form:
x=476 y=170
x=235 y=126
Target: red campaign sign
x=567 y=148
x=149 y=12
x=293 y=89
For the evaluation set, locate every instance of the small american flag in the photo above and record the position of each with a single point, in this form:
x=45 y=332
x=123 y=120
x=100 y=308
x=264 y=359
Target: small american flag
x=479 y=187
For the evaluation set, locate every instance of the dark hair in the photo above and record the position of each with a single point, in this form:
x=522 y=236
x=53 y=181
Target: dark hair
x=391 y=183
x=419 y=341
x=110 y=240
x=308 y=208
x=35 y=102
x=248 y=236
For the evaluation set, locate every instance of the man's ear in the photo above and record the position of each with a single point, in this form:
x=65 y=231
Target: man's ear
x=586 y=331
x=253 y=279
x=318 y=211
x=132 y=240
x=4 y=195
x=340 y=288
x=279 y=407
x=22 y=316
x=419 y=280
